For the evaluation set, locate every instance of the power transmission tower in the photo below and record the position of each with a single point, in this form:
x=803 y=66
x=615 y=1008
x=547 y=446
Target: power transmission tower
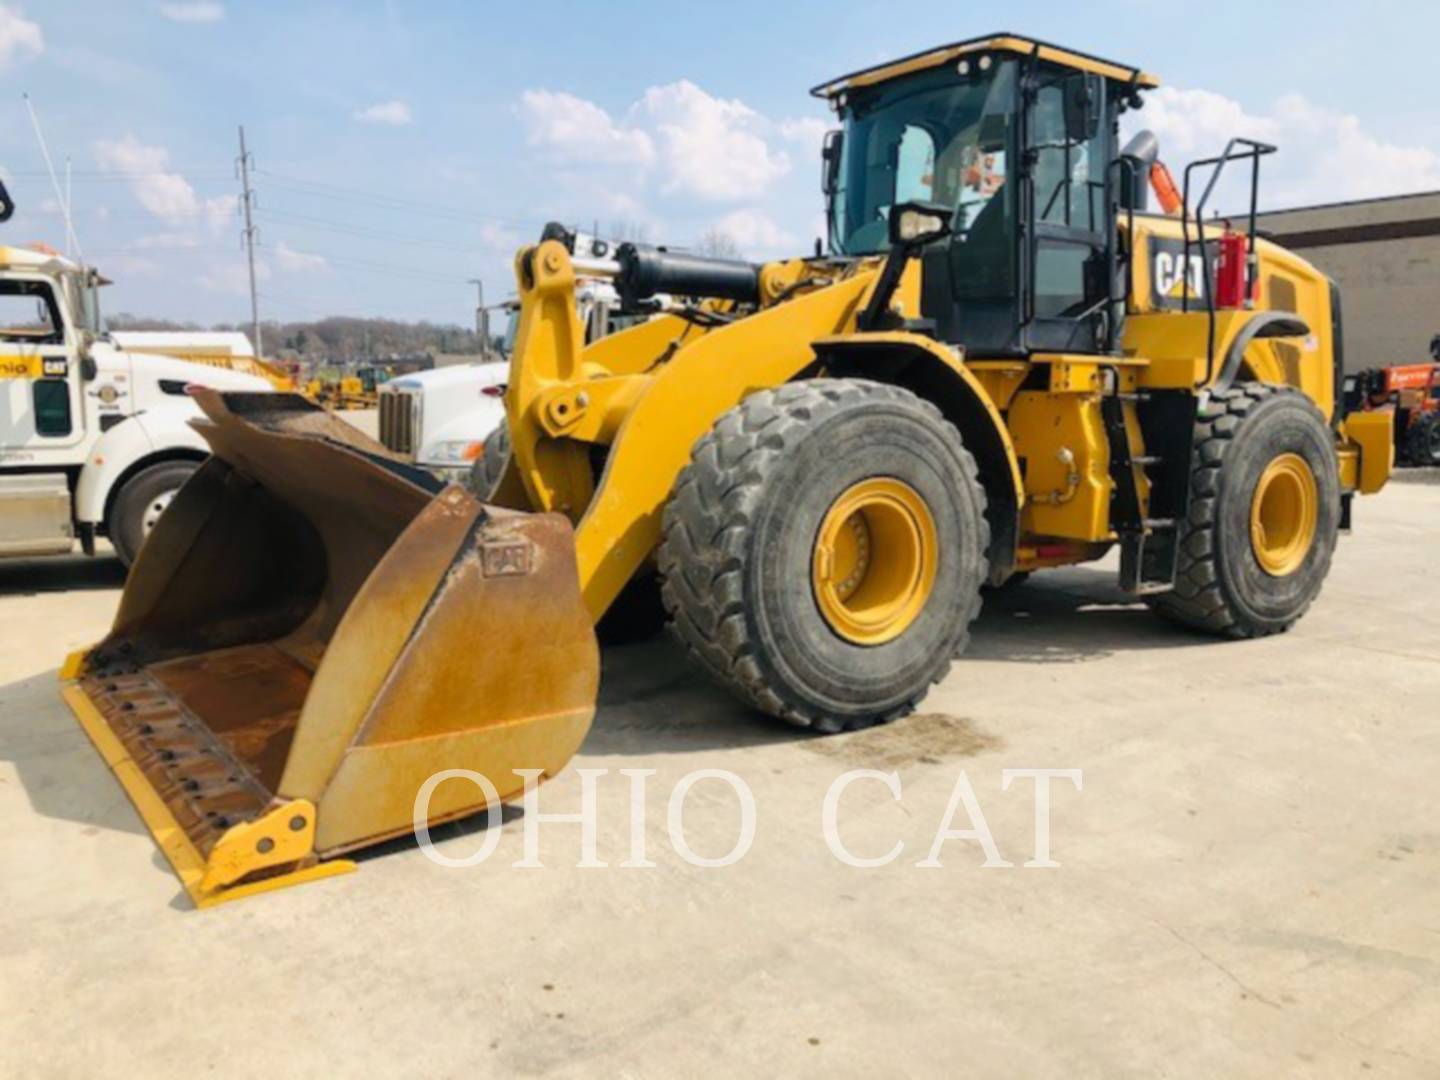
x=247 y=203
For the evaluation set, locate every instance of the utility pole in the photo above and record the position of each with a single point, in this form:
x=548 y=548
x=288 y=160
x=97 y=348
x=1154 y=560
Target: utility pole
x=247 y=203
x=482 y=317
x=68 y=208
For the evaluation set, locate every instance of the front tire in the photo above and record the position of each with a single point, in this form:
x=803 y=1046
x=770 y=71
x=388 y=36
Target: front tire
x=1422 y=441
x=1264 y=514
x=823 y=552
x=140 y=503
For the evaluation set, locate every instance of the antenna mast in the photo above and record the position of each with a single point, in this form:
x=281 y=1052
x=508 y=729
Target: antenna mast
x=71 y=240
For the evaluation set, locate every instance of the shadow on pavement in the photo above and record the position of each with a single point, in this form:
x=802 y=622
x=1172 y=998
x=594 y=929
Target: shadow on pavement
x=59 y=769
x=651 y=698
x=1070 y=616
x=60 y=573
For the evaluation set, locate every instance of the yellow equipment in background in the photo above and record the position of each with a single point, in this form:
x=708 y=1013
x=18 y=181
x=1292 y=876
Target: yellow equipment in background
x=1004 y=363
x=230 y=350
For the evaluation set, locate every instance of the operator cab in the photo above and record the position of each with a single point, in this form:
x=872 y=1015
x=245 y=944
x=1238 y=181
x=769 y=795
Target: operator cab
x=1016 y=140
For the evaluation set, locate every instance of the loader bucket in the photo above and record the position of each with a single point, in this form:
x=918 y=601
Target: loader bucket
x=312 y=630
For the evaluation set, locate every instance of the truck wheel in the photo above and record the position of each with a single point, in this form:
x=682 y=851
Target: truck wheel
x=1264 y=514
x=823 y=551
x=141 y=502
x=489 y=467
x=1422 y=441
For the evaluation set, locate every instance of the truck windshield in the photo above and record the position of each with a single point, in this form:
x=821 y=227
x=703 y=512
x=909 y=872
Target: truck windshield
x=935 y=137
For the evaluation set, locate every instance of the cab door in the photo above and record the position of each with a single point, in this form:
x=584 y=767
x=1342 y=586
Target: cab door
x=41 y=419
x=1068 y=212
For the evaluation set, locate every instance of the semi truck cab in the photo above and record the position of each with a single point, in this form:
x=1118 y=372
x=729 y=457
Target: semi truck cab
x=95 y=439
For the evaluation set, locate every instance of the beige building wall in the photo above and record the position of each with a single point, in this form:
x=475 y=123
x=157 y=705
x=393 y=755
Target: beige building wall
x=1385 y=256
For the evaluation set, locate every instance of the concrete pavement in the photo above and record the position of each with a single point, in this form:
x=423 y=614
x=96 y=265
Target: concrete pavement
x=1247 y=882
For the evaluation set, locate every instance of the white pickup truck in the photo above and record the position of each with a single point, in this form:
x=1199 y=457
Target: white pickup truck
x=95 y=439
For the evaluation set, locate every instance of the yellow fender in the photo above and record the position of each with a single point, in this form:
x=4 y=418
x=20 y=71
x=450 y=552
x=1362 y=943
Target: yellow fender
x=939 y=375
x=687 y=395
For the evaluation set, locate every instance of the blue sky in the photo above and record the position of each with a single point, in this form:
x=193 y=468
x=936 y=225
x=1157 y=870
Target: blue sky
x=405 y=147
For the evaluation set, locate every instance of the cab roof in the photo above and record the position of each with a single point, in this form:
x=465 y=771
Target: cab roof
x=1002 y=42
x=38 y=257
x=41 y=258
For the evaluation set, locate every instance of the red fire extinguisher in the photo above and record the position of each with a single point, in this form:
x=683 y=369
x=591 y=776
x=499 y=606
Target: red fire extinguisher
x=1232 y=271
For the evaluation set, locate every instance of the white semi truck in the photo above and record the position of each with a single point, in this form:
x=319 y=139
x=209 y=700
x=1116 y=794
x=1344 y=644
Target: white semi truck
x=440 y=419
x=95 y=437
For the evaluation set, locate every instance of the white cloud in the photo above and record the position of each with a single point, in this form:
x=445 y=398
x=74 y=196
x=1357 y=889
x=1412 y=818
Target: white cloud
x=198 y=11
x=18 y=35
x=756 y=234
x=808 y=133
x=298 y=262
x=166 y=194
x=1324 y=156
x=707 y=147
x=573 y=129
x=711 y=148
x=125 y=266
x=393 y=113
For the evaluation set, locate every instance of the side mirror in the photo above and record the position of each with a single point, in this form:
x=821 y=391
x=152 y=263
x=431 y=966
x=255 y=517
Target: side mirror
x=830 y=152
x=915 y=224
x=7 y=204
x=1083 y=96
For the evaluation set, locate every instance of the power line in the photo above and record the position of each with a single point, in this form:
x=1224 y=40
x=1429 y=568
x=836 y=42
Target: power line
x=334 y=191
x=118 y=176
x=306 y=221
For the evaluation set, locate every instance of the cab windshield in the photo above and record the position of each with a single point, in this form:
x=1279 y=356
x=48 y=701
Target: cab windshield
x=937 y=137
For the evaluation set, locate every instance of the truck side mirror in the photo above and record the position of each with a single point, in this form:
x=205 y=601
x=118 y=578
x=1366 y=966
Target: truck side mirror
x=7 y=204
x=1083 y=95
x=830 y=161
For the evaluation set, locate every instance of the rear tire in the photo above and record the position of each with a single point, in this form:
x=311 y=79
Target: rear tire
x=1422 y=441
x=742 y=553
x=141 y=501
x=1245 y=438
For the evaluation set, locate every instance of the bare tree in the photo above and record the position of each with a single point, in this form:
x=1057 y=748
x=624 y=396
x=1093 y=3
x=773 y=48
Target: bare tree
x=627 y=229
x=719 y=244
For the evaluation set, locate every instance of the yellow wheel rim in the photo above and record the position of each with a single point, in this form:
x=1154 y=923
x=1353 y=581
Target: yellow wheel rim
x=874 y=562
x=1284 y=515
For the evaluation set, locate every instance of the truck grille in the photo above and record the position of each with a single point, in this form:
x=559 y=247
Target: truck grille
x=398 y=420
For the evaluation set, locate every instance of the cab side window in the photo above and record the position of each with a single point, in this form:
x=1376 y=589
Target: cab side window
x=1070 y=218
x=28 y=315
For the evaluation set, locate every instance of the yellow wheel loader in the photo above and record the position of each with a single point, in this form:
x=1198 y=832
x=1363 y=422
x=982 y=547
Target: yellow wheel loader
x=1003 y=362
